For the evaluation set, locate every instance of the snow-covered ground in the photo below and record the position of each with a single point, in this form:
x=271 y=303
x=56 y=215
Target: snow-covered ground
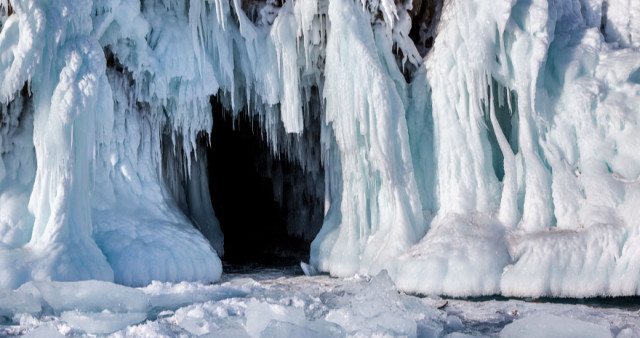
x=283 y=303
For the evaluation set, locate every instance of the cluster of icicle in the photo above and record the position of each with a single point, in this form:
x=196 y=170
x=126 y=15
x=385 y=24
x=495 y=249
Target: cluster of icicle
x=504 y=161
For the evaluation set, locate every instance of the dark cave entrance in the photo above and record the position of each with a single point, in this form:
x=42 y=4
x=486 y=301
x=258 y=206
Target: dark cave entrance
x=259 y=227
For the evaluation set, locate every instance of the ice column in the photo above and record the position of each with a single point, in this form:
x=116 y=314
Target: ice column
x=380 y=212
x=69 y=91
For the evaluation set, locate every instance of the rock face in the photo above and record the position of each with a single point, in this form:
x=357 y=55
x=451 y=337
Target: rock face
x=8 y=9
x=425 y=15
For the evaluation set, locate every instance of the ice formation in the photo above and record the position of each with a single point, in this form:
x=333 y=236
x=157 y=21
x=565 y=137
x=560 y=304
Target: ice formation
x=489 y=148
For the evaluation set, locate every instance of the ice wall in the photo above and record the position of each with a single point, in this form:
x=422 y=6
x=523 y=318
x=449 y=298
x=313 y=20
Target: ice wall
x=500 y=160
x=554 y=215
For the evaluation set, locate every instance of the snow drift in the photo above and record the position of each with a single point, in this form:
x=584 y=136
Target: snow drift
x=501 y=159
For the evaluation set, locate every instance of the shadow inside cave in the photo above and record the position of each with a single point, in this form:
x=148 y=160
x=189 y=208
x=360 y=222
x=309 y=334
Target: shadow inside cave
x=253 y=195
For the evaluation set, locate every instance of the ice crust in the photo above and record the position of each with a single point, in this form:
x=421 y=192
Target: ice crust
x=503 y=162
x=268 y=304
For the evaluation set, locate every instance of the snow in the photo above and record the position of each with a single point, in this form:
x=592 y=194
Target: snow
x=462 y=256
x=503 y=162
x=270 y=302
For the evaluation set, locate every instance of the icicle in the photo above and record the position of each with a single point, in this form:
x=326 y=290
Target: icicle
x=509 y=202
x=285 y=41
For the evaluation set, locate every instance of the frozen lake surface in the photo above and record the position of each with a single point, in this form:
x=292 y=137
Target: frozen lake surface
x=270 y=302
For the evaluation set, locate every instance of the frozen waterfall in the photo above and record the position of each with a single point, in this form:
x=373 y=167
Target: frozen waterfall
x=466 y=147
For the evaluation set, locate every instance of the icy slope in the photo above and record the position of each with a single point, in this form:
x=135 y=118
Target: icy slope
x=503 y=161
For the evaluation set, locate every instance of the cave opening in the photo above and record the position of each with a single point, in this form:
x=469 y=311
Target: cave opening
x=266 y=217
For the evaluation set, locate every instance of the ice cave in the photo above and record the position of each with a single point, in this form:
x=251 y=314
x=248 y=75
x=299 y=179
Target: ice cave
x=255 y=195
x=396 y=161
x=465 y=148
